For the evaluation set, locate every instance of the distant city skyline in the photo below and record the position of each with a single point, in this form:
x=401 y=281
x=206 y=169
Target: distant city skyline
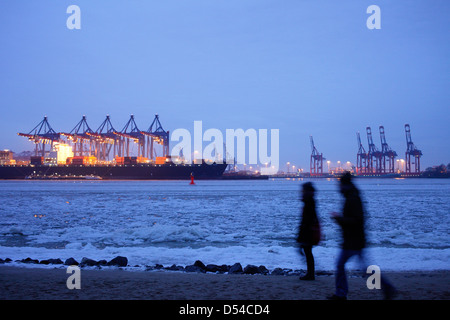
x=305 y=68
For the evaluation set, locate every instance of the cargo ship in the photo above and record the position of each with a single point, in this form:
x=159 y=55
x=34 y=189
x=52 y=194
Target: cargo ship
x=122 y=168
x=104 y=154
x=138 y=171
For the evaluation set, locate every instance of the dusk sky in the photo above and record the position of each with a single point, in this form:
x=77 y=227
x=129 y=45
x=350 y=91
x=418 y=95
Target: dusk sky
x=301 y=66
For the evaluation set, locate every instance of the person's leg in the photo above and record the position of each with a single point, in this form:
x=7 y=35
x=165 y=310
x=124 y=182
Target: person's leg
x=362 y=262
x=388 y=289
x=341 y=277
x=307 y=249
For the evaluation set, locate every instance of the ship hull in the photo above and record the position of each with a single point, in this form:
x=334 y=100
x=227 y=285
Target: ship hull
x=116 y=172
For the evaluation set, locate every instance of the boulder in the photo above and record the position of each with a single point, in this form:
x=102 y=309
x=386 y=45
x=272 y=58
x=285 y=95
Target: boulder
x=193 y=268
x=29 y=260
x=235 y=268
x=277 y=272
x=56 y=261
x=174 y=267
x=102 y=263
x=200 y=264
x=224 y=268
x=263 y=270
x=118 y=261
x=215 y=268
x=71 y=262
x=288 y=271
x=51 y=261
x=251 y=269
x=212 y=268
x=87 y=262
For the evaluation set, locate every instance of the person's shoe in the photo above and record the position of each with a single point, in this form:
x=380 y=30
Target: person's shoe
x=307 y=277
x=335 y=297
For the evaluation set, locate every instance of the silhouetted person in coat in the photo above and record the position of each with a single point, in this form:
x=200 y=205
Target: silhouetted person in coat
x=309 y=230
x=354 y=238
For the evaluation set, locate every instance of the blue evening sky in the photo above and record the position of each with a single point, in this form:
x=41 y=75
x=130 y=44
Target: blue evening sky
x=301 y=66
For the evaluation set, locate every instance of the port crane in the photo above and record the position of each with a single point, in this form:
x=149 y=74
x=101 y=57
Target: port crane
x=131 y=133
x=361 y=158
x=106 y=139
x=316 y=161
x=99 y=144
x=411 y=151
x=82 y=139
x=41 y=135
x=388 y=155
x=156 y=133
x=374 y=156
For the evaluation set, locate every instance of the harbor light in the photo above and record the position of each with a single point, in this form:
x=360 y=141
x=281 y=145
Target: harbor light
x=63 y=151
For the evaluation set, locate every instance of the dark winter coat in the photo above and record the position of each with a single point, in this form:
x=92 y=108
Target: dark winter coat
x=308 y=222
x=352 y=221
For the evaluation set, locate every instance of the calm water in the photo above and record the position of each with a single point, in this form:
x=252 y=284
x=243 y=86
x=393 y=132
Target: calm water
x=174 y=222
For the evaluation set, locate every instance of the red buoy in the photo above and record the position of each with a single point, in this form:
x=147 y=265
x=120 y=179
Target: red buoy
x=192 y=178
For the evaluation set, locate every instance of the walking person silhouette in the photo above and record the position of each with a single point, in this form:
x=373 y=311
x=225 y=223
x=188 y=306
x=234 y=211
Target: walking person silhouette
x=309 y=229
x=354 y=238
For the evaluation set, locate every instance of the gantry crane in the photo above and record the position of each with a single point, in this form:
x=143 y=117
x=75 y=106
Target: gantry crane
x=374 y=156
x=361 y=158
x=156 y=133
x=388 y=155
x=82 y=138
x=411 y=151
x=106 y=138
x=41 y=135
x=131 y=133
x=316 y=162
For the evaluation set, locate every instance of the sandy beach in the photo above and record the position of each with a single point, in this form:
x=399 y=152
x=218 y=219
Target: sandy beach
x=25 y=283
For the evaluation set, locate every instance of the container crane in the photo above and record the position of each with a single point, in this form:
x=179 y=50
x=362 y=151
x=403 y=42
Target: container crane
x=156 y=133
x=131 y=132
x=361 y=158
x=82 y=138
x=316 y=162
x=374 y=156
x=388 y=155
x=106 y=138
x=41 y=135
x=411 y=151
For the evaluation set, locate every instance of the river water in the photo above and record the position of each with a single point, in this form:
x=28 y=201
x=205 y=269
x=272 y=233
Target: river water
x=219 y=222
